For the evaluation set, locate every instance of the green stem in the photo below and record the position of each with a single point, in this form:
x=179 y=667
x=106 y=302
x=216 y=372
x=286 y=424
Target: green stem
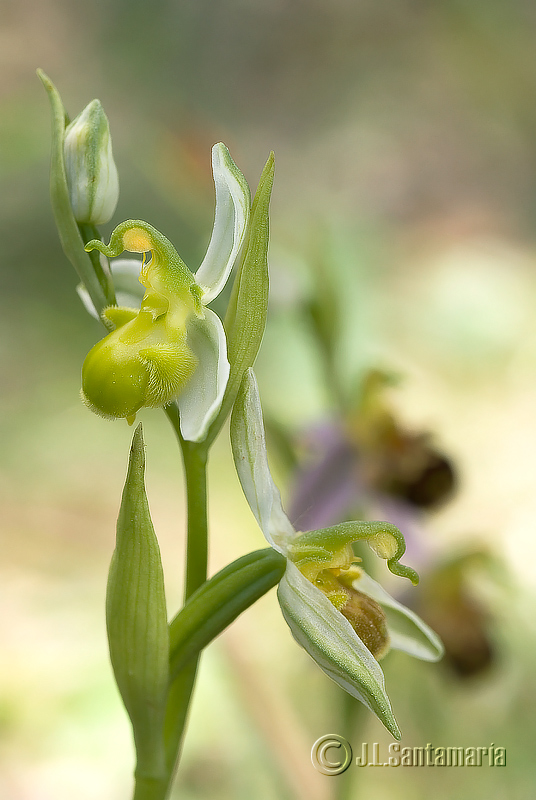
x=178 y=706
x=150 y=789
x=89 y=232
x=195 y=470
x=353 y=720
x=194 y=456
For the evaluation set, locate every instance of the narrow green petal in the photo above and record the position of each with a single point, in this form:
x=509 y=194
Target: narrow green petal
x=407 y=631
x=251 y=460
x=233 y=201
x=136 y=619
x=383 y=537
x=331 y=641
x=166 y=270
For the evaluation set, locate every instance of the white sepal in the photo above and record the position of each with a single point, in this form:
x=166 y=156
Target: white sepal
x=200 y=399
x=230 y=223
x=251 y=460
x=83 y=294
x=128 y=289
x=126 y=279
x=407 y=631
x=331 y=641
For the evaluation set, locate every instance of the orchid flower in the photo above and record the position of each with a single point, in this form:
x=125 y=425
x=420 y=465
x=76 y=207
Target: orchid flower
x=165 y=346
x=343 y=618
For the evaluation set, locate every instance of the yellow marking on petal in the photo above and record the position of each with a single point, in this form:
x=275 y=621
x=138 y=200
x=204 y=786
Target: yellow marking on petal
x=136 y=240
x=384 y=545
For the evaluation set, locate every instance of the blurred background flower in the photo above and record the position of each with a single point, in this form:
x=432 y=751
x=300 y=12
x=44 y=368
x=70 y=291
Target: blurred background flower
x=405 y=139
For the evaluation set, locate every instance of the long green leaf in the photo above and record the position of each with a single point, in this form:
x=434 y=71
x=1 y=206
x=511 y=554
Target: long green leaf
x=246 y=315
x=136 y=620
x=219 y=602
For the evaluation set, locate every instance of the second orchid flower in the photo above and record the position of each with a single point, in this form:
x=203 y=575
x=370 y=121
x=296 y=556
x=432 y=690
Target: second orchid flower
x=336 y=612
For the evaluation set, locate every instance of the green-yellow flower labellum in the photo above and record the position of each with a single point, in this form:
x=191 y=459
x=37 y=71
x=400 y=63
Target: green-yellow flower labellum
x=145 y=360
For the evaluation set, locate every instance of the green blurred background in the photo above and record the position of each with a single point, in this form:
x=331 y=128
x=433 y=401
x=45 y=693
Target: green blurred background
x=405 y=141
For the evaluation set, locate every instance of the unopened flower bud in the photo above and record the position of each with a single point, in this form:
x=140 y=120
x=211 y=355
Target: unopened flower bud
x=89 y=165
